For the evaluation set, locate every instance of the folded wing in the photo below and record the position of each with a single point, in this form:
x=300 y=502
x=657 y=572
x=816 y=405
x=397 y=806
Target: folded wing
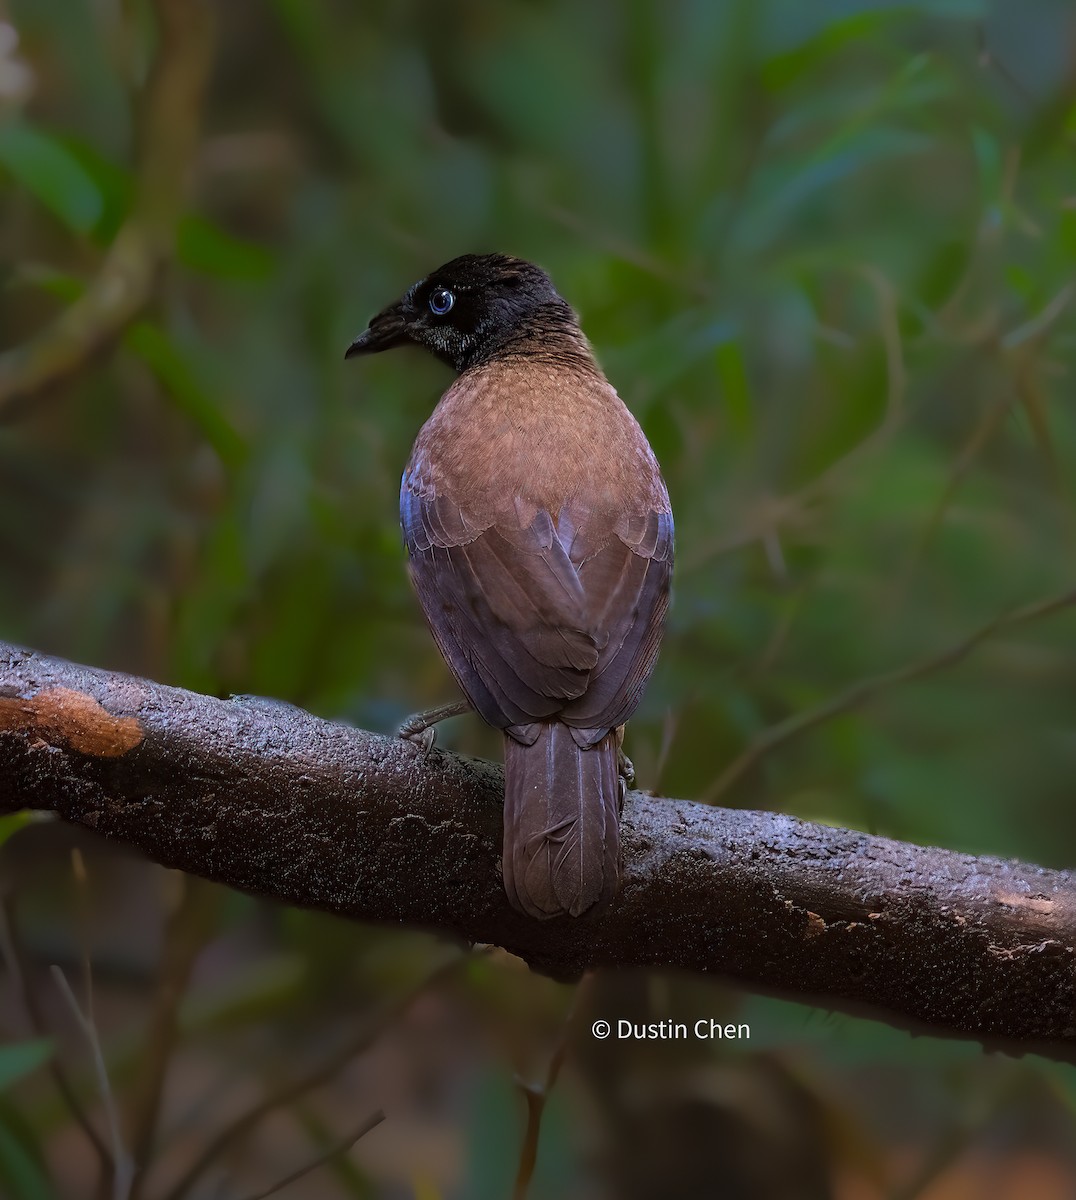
x=540 y=616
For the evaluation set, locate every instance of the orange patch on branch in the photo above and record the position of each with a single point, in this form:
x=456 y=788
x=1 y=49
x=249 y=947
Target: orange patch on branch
x=815 y=925
x=73 y=720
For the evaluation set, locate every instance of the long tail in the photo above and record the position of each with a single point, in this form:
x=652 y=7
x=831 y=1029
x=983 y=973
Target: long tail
x=561 y=851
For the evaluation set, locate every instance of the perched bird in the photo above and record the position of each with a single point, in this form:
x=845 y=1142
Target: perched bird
x=540 y=541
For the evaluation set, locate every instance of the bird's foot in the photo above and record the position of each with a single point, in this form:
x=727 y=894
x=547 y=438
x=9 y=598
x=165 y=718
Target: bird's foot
x=421 y=728
x=425 y=739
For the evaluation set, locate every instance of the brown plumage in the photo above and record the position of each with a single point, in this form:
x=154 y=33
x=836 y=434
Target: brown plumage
x=539 y=534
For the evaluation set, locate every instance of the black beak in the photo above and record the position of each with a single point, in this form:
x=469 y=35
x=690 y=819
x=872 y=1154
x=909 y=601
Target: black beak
x=387 y=329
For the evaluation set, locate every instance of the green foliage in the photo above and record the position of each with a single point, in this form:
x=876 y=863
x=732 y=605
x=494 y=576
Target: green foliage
x=824 y=252
x=13 y=822
x=21 y=1059
x=22 y=1172
x=43 y=166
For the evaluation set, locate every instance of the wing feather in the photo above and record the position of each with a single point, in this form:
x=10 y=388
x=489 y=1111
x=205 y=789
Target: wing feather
x=541 y=616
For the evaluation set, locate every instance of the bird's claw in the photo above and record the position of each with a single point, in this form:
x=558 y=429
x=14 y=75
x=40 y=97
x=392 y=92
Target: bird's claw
x=420 y=727
x=419 y=734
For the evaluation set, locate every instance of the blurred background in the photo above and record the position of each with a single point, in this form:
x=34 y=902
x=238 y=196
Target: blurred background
x=825 y=252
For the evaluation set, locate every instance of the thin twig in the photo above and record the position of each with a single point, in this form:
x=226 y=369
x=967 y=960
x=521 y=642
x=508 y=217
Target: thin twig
x=698 y=289
x=1035 y=328
x=82 y=911
x=988 y=59
x=11 y=948
x=537 y=1096
x=977 y=441
x=315 y=1077
x=106 y=1176
x=187 y=932
x=123 y=1171
x=1032 y=331
x=780 y=510
x=866 y=689
x=1035 y=411
x=345 y=1143
x=669 y=728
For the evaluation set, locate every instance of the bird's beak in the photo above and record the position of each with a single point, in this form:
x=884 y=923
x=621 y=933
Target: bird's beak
x=387 y=329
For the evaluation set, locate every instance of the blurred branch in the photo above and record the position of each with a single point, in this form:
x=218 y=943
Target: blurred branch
x=128 y=274
x=268 y=799
x=772 y=513
x=321 y=1072
x=189 y=927
x=15 y=960
x=122 y=1172
x=866 y=689
x=345 y=1143
x=117 y=1170
x=537 y=1095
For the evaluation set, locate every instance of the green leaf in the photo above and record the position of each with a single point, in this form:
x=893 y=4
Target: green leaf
x=734 y=386
x=785 y=67
x=1066 y=232
x=991 y=168
x=167 y=362
x=20 y=1175
x=205 y=247
x=53 y=174
x=23 y=1058
x=9 y=826
x=115 y=183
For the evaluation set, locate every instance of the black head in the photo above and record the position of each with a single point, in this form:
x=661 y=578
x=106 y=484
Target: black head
x=470 y=309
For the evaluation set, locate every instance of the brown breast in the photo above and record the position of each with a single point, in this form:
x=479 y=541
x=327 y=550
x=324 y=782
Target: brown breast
x=514 y=436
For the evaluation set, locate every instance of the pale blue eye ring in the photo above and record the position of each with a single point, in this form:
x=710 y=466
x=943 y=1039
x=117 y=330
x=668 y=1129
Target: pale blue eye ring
x=441 y=302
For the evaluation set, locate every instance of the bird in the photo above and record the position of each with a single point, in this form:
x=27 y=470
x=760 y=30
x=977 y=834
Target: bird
x=539 y=536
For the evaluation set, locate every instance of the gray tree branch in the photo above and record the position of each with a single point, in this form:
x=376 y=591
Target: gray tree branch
x=266 y=798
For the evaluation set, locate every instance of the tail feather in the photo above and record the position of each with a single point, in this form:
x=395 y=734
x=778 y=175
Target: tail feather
x=561 y=850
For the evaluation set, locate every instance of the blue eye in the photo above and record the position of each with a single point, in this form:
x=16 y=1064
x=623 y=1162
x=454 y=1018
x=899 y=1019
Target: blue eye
x=441 y=302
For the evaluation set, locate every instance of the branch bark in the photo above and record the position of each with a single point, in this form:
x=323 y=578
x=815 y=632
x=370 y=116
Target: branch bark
x=266 y=798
